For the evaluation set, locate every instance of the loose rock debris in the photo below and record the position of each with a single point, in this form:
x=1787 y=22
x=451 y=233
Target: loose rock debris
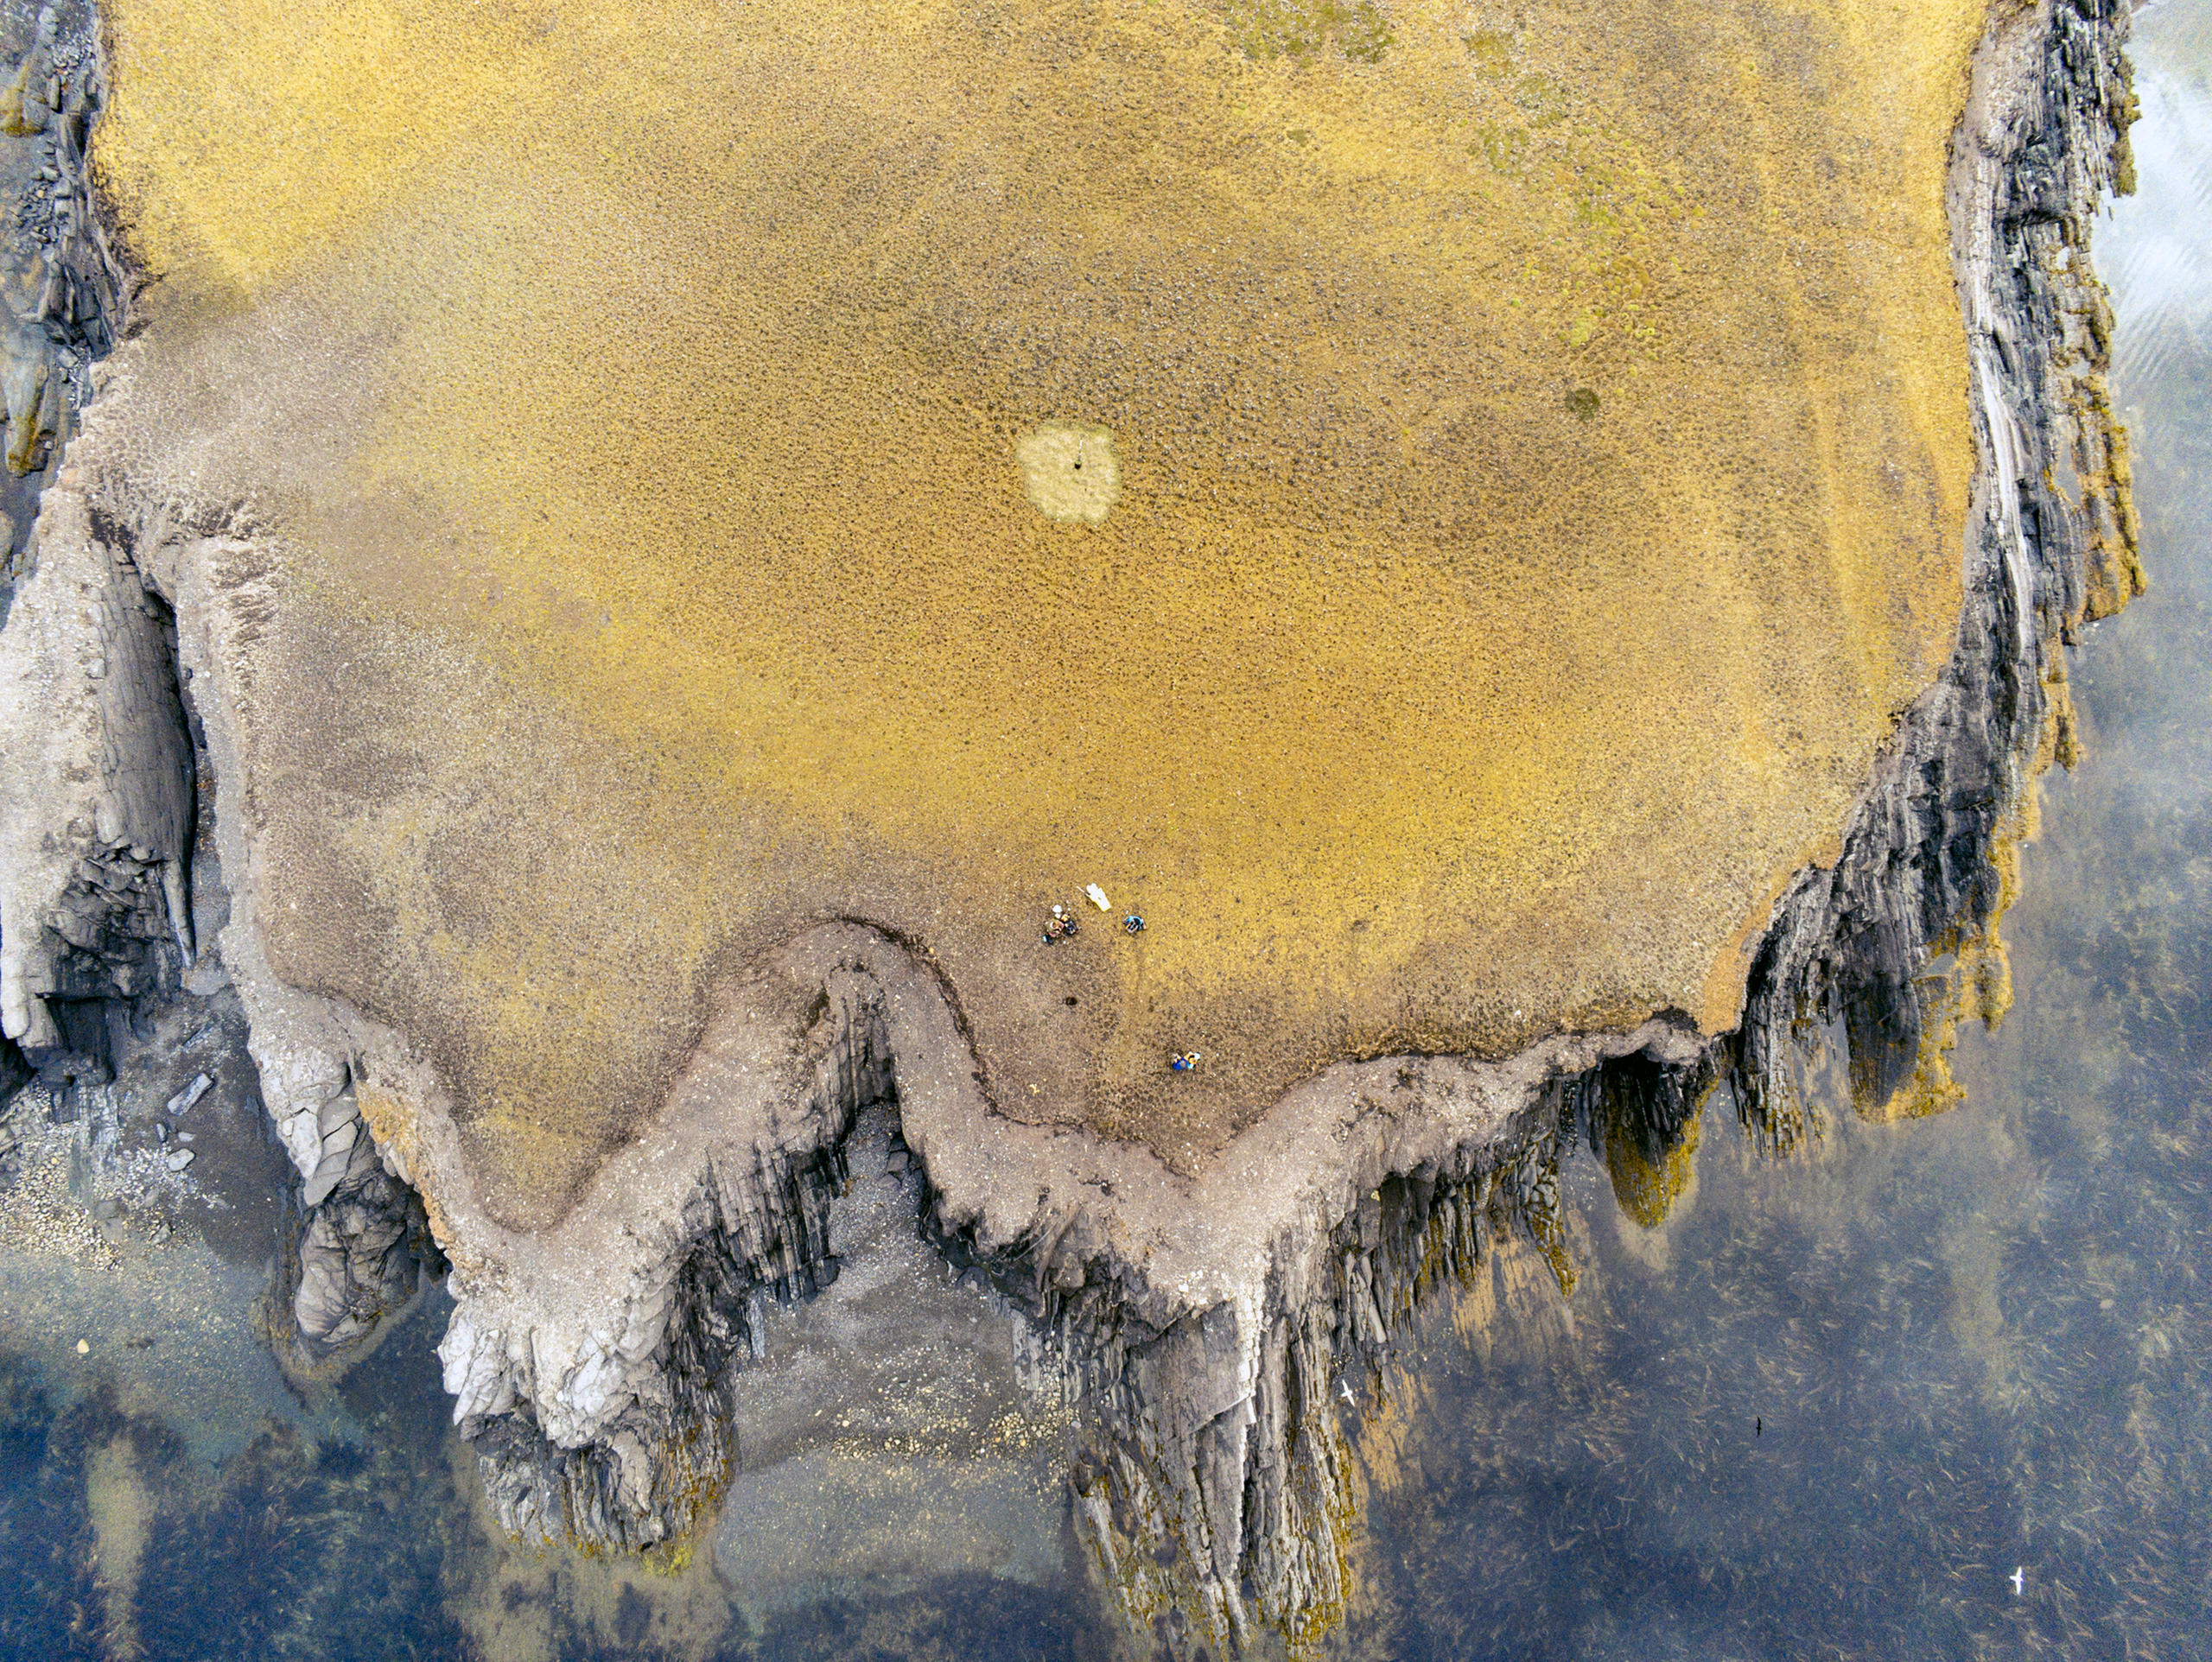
x=183 y=1100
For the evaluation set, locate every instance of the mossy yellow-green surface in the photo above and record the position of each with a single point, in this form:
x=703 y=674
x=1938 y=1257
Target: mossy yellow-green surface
x=1542 y=454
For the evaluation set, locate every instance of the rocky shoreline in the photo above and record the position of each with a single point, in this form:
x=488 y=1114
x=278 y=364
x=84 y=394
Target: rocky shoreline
x=1216 y=1335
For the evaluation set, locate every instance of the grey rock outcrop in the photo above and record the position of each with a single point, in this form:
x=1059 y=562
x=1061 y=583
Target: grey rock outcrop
x=97 y=776
x=362 y=1256
x=1203 y=1322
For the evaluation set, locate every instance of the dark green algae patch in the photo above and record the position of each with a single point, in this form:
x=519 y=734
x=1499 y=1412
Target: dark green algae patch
x=1299 y=28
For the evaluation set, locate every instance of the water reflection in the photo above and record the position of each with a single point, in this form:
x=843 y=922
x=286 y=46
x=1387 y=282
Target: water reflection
x=1829 y=1405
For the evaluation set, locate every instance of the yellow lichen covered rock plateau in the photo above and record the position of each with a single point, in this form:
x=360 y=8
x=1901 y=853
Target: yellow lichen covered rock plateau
x=1532 y=453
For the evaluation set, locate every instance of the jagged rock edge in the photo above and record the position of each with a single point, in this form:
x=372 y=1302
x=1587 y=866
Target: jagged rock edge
x=1925 y=870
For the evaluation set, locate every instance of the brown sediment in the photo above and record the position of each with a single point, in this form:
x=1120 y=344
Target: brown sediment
x=122 y=1514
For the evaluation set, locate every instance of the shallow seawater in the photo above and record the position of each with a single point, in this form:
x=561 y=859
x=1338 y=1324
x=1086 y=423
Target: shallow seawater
x=1829 y=1406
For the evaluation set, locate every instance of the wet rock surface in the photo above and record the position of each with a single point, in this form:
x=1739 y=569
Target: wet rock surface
x=904 y=1424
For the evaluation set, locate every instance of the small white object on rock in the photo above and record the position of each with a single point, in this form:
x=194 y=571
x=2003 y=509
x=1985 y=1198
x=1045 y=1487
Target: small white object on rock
x=83 y=1349
x=178 y=1159
x=1097 y=897
x=190 y=1094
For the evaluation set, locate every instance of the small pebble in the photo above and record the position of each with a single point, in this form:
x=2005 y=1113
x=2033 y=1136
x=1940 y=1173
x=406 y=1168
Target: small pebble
x=179 y=1160
x=202 y=1083
x=83 y=1349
